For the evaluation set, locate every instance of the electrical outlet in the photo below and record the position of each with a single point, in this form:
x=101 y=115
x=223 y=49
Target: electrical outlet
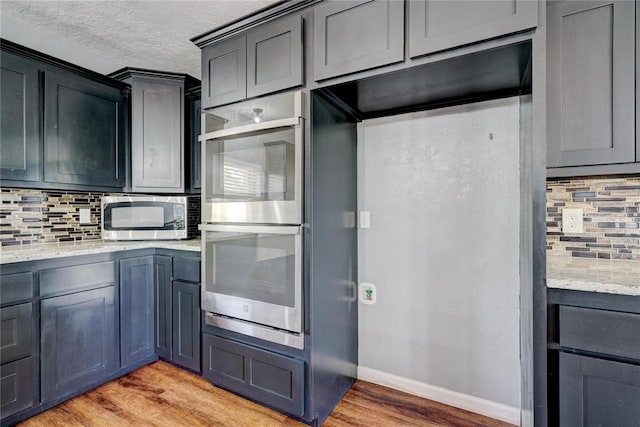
x=85 y=216
x=572 y=220
x=368 y=293
x=365 y=219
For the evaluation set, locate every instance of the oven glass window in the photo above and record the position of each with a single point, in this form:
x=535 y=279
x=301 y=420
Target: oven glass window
x=259 y=267
x=252 y=168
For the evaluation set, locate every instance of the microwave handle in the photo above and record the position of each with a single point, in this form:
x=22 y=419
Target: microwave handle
x=253 y=127
x=258 y=229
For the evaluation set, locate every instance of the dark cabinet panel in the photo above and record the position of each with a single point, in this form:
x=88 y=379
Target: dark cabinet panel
x=353 y=36
x=196 y=146
x=590 y=81
x=20 y=157
x=55 y=281
x=16 y=286
x=163 y=310
x=186 y=269
x=274 y=57
x=157 y=135
x=596 y=392
x=267 y=377
x=186 y=325
x=224 y=72
x=17 y=386
x=84 y=131
x=436 y=25
x=79 y=340
x=137 y=320
x=16 y=331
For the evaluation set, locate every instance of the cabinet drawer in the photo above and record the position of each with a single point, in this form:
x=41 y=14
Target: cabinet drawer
x=600 y=331
x=269 y=378
x=16 y=331
x=78 y=277
x=15 y=287
x=186 y=269
x=16 y=386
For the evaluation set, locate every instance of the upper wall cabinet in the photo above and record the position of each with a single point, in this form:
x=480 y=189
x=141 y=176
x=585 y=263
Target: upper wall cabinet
x=19 y=119
x=436 y=25
x=590 y=83
x=264 y=60
x=352 y=36
x=84 y=135
x=160 y=130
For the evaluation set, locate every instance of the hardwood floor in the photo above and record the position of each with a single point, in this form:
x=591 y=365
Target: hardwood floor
x=163 y=395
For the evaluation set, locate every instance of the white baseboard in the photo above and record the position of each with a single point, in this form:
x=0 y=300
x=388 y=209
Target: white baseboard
x=478 y=405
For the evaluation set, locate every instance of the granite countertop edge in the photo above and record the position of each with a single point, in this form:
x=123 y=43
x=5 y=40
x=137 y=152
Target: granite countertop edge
x=61 y=250
x=587 y=286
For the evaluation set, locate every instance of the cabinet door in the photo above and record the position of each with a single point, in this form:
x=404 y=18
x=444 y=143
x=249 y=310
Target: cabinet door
x=274 y=57
x=157 y=135
x=17 y=386
x=596 y=392
x=137 y=320
x=163 y=308
x=352 y=36
x=16 y=331
x=84 y=131
x=196 y=146
x=224 y=72
x=590 y=81
x=436 y=25
x=79 y=341
x=267 y=377
x=19 y=119
x=186 y=325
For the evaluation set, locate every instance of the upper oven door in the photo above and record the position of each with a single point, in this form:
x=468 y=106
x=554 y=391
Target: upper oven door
x=252 y=167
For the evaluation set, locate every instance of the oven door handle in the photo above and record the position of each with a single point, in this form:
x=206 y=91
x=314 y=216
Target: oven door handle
x=253 y=127
x=257 y=229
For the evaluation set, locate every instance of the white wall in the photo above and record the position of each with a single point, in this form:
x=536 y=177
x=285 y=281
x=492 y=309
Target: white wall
x=443 y=248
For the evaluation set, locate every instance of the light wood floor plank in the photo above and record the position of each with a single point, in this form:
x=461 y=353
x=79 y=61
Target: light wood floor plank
x=163 y=395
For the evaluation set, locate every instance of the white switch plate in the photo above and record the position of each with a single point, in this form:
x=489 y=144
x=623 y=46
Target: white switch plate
x=365 y=219
x=572 y=220
x=85 y=216
x=368 y=293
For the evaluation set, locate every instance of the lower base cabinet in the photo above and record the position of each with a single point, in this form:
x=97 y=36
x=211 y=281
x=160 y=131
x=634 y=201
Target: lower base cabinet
x=17 y=386
x=186 y=325
x=597 y=392
x=270 y=378
x=78 y=340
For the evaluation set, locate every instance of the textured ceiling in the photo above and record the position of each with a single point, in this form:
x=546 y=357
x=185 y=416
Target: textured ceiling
x=107 y=35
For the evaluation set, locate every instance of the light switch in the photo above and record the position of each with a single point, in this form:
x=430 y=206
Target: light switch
x=572 y=220
x=365 y=219
x=85 y=216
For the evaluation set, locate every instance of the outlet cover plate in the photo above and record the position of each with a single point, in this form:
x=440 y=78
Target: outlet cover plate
x=572 y=220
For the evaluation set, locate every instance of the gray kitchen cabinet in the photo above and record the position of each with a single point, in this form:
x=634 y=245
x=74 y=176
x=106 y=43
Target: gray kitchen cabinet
x=84 y=131
x=137 y=310
x=224 y=72
x=16 y=331
x=157 y=135
x=597 y=392
x=19 y=119
x=17 y=389
x=196 y=145
x=590 y=81
x=436 y=25
x=186 y=324
x=274 y=57
x=163 y=307
x=351 y=36
x=273 y=379
x=79 y=341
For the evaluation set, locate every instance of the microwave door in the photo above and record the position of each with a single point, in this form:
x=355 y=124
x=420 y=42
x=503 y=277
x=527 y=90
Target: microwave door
x=254 y=274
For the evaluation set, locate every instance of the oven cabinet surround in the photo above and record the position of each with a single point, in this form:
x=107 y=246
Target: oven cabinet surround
x=266 y=59
x=160 y=130
x=591 y=115
x=19 y=350
x=594 y=350
x=62 y=126
x=71 y=324
x=177 y=284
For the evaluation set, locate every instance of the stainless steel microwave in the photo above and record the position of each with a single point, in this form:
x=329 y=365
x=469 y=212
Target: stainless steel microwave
x=146 y=218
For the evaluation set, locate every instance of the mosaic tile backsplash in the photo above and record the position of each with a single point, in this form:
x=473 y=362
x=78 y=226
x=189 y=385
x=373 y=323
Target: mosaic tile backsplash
x=30 y=217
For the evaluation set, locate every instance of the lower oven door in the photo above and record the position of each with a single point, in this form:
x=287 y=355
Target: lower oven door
x=253 y=274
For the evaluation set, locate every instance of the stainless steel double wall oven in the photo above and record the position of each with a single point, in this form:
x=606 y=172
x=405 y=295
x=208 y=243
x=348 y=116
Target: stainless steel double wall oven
x=252 y=156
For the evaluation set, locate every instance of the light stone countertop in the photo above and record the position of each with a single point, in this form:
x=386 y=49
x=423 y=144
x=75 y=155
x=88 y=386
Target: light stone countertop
x=66 y=249
x=605 y=288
